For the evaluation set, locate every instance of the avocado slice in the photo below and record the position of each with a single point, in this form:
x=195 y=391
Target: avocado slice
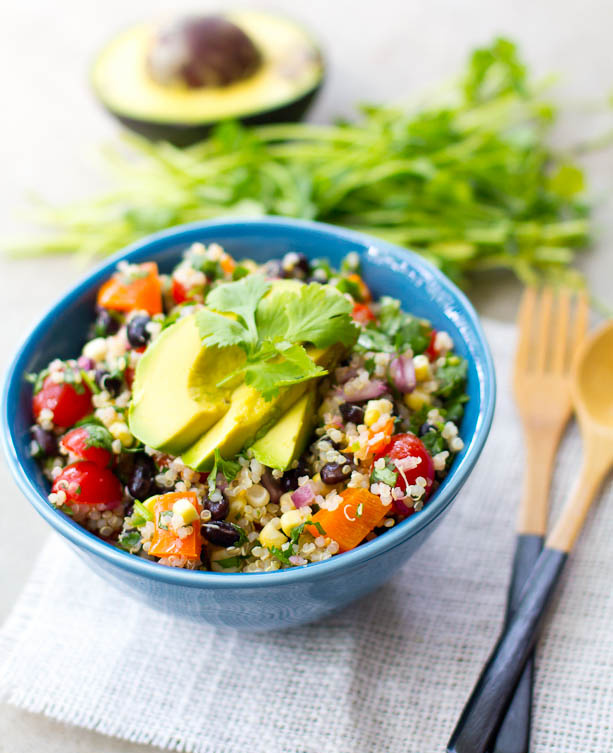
x=250 y=415
x=175 y=398
x=267 y=70
x=286 y=440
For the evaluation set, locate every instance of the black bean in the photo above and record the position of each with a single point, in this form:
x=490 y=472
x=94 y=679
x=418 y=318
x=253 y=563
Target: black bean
x=333 y=473
x=300 y=267
x=141 y=478
x=106 y=324
x=137 y=333
x=272 y=486
x=352 y=413
x=220 y=533
x=46 y=440
x=112 y=384
x=218 y=509
x=289 y=480
x=425 y=428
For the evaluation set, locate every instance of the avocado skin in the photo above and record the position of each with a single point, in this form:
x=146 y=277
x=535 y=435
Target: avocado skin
x=182 y=134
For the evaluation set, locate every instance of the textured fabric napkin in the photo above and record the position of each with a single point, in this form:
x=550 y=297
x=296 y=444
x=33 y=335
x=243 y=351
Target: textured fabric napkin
x=390 y=673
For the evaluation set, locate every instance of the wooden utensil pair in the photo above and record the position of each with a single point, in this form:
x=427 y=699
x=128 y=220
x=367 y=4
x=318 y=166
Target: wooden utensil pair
x=556 y=369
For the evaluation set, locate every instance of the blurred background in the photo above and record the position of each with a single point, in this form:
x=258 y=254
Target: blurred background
x=52 y=128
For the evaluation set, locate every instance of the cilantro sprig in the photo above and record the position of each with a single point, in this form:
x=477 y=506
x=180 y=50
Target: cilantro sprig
x=272 y=331
x=229 y=468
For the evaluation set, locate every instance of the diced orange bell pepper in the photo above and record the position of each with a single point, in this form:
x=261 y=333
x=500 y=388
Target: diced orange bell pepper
x=227 y=264
x=166 y=542
x=354 y=518
x=143 y=293
x=365 y=293
x=377 y=442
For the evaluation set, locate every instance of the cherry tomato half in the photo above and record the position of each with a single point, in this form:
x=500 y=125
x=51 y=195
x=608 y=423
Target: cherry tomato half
x=362 y=313
x=431 y=351
x=85 y=483
x=68 y=403
x=89 y=442
x=403 y=446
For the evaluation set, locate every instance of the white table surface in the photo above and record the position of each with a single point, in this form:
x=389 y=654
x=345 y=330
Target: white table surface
x=50 y=128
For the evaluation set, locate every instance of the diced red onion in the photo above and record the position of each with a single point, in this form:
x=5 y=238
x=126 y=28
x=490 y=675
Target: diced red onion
x=85 y=363
x=303 y=495
x=373 y=388
x=402 y=373
x=220 y=482
x=401 y=509
x=272 y=486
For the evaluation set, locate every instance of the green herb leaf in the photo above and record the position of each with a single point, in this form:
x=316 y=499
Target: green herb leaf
x=294 y=367
x=320 y=315
x=130 y=541
x=98 y=436
x=386 y=475
x=215 y=329
x=240 y=298
x=229 y=562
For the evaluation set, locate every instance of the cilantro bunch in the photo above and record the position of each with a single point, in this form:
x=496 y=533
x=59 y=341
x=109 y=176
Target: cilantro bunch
x=272 y=331
x=469 y=179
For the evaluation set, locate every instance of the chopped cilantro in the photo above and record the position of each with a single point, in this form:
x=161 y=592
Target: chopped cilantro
x=349 y=286
x=229 y=468
x=37 y=379
x=98 y=436
x=230 y=562
x=451 y=377
x=239 y=272
x=385 y=475
x=130 y=540
x=164 y=518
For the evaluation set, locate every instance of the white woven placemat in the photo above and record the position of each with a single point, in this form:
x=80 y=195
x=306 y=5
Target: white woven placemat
x=390 y=673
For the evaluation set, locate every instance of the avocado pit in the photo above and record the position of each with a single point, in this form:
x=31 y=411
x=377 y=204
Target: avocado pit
x=202 y=51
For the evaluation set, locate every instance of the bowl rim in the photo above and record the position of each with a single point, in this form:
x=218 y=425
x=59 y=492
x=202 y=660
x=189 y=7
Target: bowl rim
x=114 y=556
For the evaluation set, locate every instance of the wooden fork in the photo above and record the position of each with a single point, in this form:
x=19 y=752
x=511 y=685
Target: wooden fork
x=552 y=324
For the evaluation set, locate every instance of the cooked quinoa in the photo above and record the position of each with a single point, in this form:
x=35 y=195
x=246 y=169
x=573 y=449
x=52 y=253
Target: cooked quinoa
x=386 y=431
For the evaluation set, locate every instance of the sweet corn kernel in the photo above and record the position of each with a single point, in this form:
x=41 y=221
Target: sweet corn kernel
x=291 y=519
x=120 y=431
x=286 y=503
x=257 y=496
x=371 y=416
x=416 y=399
x=422 y=368
x=186 y=511
x=271 y=536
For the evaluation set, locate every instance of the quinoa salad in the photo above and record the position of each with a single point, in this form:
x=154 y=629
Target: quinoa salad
x=238 y=417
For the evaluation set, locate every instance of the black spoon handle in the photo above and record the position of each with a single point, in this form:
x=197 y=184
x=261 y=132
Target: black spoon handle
x=514 y=733
x=485 y=709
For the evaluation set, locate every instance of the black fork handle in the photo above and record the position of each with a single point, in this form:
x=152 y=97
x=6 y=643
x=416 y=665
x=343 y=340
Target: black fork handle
x=490 y=698
x=514 y=733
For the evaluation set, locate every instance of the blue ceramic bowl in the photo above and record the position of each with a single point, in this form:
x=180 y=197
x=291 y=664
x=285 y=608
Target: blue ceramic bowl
x=288 y=597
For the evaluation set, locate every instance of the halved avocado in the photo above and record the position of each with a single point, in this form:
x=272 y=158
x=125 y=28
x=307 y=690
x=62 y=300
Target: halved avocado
x=251 y=415
x=271 y=73
x=175 y=397
x=286 y=440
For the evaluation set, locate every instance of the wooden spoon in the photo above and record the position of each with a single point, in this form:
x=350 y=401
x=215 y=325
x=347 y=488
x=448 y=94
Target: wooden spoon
x=592 y=393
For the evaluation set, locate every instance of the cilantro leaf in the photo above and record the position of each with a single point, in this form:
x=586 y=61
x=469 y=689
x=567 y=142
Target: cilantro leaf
x=295 y=366
x=240 y=298
x=98 y=436
x=215 y=329
x=320 y=315
x=229 y=468
x=386 y=475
